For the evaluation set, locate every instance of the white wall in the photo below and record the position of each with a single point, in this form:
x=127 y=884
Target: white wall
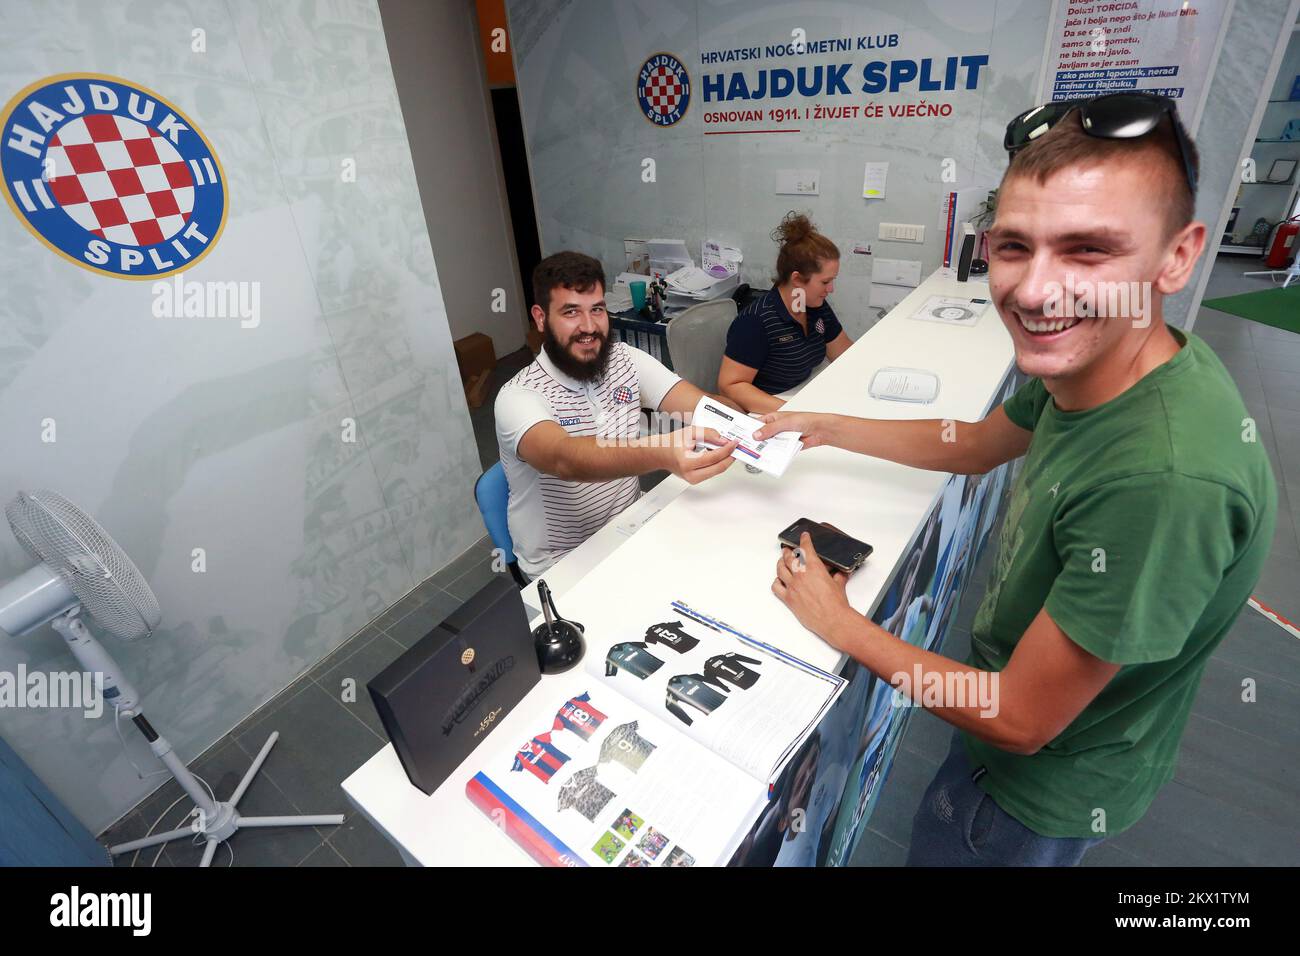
x=577 y=62
x=195 y=433
x=437 y=63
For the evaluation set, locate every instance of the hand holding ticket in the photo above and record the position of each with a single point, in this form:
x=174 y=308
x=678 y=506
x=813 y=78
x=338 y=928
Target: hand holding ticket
x=772 y=455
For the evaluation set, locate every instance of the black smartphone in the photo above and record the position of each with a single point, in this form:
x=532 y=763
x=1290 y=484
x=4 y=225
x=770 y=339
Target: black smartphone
x=837 y=549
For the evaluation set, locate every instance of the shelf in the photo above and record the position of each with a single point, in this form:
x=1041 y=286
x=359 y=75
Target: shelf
x=1261 y=182
x=1241 y=250
x=1296 y=141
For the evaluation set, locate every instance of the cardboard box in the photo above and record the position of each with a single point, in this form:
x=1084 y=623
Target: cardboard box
x=474 y=354
x=476 y=389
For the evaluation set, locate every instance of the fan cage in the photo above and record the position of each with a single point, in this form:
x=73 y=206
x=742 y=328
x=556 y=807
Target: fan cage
x=106 y=582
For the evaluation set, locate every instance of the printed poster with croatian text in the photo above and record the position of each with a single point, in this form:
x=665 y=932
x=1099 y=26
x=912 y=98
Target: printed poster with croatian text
x=1159 y=46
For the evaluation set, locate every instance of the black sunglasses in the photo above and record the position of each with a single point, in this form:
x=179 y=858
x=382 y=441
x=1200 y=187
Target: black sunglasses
x=1112 y=116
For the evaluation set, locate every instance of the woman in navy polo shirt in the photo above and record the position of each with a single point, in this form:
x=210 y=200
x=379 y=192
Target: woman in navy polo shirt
x=780 y=337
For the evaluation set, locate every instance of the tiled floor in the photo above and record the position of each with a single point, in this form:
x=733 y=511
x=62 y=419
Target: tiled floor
x=1231 y=802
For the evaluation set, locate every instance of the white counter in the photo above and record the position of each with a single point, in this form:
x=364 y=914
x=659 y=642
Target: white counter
x=714 y=546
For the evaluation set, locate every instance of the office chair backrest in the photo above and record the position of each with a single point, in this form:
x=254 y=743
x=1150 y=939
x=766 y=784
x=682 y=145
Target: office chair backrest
x=493 y=496
x=697 y=339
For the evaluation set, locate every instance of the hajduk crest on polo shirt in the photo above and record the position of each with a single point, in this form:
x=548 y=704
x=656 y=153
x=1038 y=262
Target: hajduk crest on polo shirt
x=111 y=176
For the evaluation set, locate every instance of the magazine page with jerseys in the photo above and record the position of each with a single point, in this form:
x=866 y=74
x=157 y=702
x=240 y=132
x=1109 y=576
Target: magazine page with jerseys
x=605 y=782
x=746 y=701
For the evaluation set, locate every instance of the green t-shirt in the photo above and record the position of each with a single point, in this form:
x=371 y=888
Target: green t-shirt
x=1141 y=526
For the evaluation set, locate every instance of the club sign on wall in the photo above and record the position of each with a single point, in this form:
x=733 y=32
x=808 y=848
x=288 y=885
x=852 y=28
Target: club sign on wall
x=111 y=176
x=663 y=89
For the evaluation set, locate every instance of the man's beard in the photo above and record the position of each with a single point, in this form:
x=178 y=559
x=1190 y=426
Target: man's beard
x=566 y=362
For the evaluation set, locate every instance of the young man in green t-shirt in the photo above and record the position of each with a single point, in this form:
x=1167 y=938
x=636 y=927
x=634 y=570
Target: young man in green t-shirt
x=1135 y=530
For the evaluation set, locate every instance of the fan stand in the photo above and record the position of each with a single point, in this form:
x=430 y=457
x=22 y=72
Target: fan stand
x=216 y=821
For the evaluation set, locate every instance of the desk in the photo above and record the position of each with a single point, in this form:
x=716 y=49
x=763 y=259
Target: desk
x=926 y=528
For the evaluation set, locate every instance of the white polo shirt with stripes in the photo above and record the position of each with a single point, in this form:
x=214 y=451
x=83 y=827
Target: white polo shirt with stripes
x=549 y=516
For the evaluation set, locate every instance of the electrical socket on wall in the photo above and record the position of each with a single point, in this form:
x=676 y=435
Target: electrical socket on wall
x=902 y=232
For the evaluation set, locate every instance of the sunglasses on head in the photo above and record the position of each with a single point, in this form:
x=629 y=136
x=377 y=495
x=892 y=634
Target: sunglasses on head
x=1113 y=116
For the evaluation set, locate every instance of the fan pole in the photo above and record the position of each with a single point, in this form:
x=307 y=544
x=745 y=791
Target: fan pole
x=94 y=659
x=216 y=821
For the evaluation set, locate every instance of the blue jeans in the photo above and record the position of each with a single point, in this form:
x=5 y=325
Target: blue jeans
x=958 y=824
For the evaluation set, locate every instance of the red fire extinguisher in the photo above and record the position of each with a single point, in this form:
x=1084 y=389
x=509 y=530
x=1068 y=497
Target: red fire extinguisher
x=1284 y=247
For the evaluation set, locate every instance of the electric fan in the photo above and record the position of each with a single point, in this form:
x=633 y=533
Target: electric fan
x=82 y=569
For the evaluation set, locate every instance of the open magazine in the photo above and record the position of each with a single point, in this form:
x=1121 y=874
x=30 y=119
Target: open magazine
x=660 y=749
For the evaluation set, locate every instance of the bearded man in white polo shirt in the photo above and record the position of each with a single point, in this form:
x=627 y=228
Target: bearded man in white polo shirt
x=568 y=425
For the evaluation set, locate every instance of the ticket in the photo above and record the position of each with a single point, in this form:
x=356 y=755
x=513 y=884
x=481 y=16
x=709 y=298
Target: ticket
x=771 y=455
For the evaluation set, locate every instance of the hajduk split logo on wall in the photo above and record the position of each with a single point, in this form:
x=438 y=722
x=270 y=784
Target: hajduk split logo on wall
x=663 y=89
x=111 y=176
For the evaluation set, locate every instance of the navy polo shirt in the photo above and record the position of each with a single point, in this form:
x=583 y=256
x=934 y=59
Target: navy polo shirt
x=765 y=336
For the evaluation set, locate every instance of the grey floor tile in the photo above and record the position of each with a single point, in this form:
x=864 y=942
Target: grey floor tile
x=279 y=846
x=928 y=736
x=474 y=579
x=1273 y=715
x=272 y=706
x=904 y=786
x=472 y=557
x=428 y=589
x=167 y=808
x=1286 y=543
x=1280 y=358
x=1257 y=645
x=1187 y=828
x=424 y=617
x=361 y=844
x=346 y=681
x=408 y=603
x=875 y=849
x=964 y=617
x=222 y=768
x=1284 y=356
x=1250 y=386
x=1107 y=853
x=1237 y=339
x=1280 y=396
x=1241 y=771
x=324 y=855
x=1281 y=380
x=1279 y=587
x=956 y=643
x=343 y=651
x=1285 y=423
x=320 y=745
x=1245 y=374
x=1241 y=355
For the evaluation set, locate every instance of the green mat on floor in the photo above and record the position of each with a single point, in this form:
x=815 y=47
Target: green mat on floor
x=1279 y=308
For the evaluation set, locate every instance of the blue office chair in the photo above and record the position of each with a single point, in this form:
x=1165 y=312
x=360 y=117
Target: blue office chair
x=493 y=495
